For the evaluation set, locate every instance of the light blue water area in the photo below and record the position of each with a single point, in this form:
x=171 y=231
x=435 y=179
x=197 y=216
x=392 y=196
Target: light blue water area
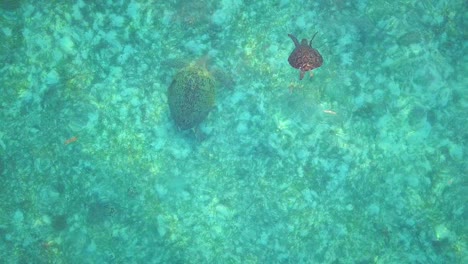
x=361 y=161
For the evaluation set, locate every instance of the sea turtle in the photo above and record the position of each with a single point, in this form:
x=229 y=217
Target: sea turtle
x=191 y=96
x=304 y=57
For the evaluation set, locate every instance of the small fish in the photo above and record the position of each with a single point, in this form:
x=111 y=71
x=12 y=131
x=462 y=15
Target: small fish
x=70 y=140
x=330 y=112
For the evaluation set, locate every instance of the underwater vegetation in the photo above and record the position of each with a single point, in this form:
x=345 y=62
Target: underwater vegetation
x=191 y=96
x=100 y=211
x=10 y=5
x=59 y=222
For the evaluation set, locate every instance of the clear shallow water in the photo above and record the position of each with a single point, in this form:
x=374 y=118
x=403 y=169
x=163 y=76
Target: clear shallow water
x=362 y=163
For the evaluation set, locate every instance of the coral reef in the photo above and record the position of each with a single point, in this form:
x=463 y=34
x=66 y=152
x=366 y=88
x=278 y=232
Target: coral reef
x=369 y=154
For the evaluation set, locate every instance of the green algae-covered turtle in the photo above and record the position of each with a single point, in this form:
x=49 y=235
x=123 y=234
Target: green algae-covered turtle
x=191 y=96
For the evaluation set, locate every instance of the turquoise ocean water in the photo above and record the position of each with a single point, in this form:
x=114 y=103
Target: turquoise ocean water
x=363 y=162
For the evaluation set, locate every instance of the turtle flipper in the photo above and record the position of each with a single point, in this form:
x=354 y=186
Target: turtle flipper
x=294 y=39
x=310 y=43
x=301 y=75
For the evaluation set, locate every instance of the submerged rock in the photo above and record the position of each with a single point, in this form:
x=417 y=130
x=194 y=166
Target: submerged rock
x=191 y=96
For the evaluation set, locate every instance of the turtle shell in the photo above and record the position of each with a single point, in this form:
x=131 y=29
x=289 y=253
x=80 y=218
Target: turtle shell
x=305 y=58
x=191 y=96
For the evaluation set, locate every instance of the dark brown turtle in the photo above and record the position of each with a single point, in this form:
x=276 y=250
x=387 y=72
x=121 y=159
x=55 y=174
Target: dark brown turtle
x=304 y=57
